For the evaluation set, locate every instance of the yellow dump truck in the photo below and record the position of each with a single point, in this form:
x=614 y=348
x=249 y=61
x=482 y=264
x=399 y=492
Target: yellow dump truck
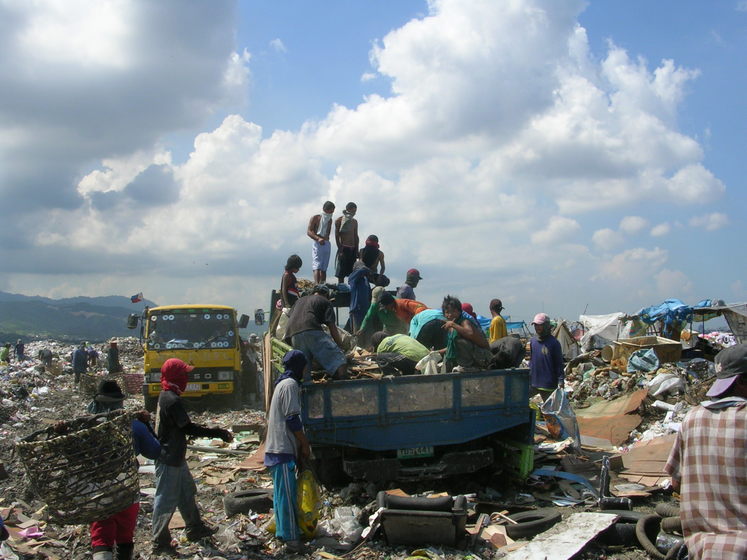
x=204 y=336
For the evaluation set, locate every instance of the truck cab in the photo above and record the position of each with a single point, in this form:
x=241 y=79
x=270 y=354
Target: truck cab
x=204 y=336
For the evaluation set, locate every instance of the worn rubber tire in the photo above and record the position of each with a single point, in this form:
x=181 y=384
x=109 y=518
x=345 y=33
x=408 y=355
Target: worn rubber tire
x=671 y=525
x=667 y=510
x=646 y=530
x=623 y=531
x=258 y=500
x=530 y=523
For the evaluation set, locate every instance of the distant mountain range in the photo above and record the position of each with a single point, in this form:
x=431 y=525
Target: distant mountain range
x=95 y=319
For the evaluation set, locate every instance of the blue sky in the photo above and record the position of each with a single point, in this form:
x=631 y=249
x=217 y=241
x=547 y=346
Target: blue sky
x=561 y=155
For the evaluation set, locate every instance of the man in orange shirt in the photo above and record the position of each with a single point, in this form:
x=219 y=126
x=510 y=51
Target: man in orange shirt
x=404 y=309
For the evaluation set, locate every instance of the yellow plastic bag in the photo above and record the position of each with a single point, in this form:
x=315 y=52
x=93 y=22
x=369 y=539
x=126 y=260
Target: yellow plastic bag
x=309 y=503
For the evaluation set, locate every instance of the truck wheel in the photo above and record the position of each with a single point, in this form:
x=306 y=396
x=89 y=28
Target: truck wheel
x=530 y=523
x=330 y=472
x=151 y=403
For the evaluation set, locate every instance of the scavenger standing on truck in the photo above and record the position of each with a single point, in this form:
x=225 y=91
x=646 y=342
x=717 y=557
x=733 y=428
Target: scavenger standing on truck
x=545 y=359
x=286 y=443
x=346 y=237
x=319 y=229
x=306 y=333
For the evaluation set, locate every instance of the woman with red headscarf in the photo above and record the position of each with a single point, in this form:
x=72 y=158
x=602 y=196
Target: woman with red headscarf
x=175 y=487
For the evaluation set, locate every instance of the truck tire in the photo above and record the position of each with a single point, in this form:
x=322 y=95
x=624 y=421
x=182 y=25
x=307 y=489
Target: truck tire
x=258 y=500
x=151 y=403
x=330 y=472
x=530 y=523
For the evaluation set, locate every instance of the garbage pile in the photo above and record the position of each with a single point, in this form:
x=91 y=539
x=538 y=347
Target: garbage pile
x=565 y=500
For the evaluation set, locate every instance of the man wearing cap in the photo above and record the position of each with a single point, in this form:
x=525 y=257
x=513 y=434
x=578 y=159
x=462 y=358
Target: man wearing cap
x=319 y=229
x=117 y=532
x=497 y=323
x=285 y=446
x=545 y=359
x=307 y=335
x=411 y=281
x=175 y=487
x=708 y=464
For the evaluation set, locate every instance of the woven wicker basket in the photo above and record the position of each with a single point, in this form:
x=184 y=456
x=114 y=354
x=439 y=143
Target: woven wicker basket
x=89 y=382
x=87 y=473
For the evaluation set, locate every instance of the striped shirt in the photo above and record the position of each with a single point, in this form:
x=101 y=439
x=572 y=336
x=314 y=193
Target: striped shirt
x=709 y=458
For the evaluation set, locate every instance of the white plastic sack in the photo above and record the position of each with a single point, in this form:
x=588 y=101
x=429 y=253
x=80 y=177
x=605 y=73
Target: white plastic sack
x=558 y=407
x=282 y=323
x=429 y=364
x=666 y=382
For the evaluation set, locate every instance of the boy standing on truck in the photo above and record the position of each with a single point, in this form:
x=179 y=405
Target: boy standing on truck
x=306 y=334
x=346 y=237
x=286 y=444
x=319 y=229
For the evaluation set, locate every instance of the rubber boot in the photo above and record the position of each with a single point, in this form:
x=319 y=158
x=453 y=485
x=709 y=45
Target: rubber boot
x=125 y=551
x=103 y=555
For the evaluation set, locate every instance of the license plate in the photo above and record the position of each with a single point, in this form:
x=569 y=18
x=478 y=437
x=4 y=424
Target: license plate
x=193 y=387
x=415 y=452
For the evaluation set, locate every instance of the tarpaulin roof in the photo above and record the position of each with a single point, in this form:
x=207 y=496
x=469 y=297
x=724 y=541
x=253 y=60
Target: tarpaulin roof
x=669 y=310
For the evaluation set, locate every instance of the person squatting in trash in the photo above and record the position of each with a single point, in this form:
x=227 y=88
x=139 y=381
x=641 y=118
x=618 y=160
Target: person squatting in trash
x=118 y=531
x=545 y=359
x=286 y=447
x=175 y=487
x=466 y=344
x=708 y=464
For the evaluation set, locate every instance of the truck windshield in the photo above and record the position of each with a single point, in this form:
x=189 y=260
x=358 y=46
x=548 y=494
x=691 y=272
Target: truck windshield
x=191 y=329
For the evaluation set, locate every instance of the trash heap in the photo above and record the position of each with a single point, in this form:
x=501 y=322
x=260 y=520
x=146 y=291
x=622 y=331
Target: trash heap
x=626 y=421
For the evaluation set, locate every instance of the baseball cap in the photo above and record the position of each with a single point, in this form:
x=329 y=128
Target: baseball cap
x=730 y=364
x=540 y=319
x=414 y=273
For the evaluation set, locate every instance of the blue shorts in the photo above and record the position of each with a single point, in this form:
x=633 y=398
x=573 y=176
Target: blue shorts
x=320 y=256
x=318 y=345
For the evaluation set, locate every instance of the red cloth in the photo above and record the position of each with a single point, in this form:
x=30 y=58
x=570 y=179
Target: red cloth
x=117 y=529
x=174 y=375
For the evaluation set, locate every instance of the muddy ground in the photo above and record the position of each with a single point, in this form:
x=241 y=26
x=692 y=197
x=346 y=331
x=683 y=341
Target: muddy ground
x=31 y=400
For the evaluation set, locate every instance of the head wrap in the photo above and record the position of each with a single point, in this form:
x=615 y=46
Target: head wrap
x=294 y=363
x=174 y=375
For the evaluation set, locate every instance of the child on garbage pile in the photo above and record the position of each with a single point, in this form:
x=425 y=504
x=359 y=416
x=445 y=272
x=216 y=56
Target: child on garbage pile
x=117 y=532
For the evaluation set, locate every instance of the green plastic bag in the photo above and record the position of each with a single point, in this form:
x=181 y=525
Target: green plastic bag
x=309 y=503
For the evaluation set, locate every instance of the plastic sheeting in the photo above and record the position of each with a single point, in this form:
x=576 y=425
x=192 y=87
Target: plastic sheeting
x=602 y=329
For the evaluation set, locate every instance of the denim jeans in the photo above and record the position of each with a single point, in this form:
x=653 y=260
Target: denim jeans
x=175 y=488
